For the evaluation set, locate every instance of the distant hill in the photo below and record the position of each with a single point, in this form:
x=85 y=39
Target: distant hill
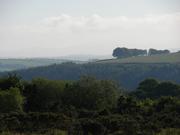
x=127 y=75
x=127 y=72
x=10 y=64
x=23 y=63
x=164 y=58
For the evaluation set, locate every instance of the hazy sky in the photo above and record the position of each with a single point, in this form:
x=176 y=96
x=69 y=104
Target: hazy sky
x=39 y=28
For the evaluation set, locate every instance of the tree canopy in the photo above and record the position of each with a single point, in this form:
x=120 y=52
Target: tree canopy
x=89 y=106
x=155 y=52
x=151 y=88
x=89 y=93
x=122 y=52
x=11 y=100
x=125 y=52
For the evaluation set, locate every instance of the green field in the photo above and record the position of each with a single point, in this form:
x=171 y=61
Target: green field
x=167 y=58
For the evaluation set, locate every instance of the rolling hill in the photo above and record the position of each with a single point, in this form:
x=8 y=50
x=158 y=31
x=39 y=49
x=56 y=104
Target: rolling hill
x=165 y=58
x=126 y=72
x=10 y=64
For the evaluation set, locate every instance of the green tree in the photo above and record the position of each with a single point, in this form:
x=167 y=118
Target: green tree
x=127 y=104
x=148 y=84
x=151 y=88
x=90 y=93
x=146 y=88
x=11 y=80
x=125 y=52
x=167 y=89
x=156 y=52
x=11 y=100
x=44 y=95
x=167 y=104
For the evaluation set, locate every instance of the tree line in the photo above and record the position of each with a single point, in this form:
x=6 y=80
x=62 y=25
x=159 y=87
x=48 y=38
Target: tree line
x=88 y=106
x=126 y=52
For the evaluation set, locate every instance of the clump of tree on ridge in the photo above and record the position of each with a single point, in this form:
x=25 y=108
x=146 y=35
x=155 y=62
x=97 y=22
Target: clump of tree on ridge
x=125 y=52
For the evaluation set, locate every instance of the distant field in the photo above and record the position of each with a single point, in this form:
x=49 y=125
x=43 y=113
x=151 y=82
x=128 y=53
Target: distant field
x=167 y=58
x=15 y=64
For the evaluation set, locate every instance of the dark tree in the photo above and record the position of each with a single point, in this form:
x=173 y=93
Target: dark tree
x=125 y=52
x=43 y=95
x=155 y=52
x=90 y=93
x=11 y=100
x=11 y=80
x=151 y=88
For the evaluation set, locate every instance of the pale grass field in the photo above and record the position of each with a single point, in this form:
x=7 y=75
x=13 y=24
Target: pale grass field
x=53 y=132
x=170 y=131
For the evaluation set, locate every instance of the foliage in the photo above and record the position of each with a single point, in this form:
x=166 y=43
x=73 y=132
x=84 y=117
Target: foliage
x=33 y=122
x=11 y=100
x=11 y=80
x=89 y=106
x=151 y=88
x=155 y=52
x=125 y=52
x=89 y=93
x=127 y=105
x=43 y=95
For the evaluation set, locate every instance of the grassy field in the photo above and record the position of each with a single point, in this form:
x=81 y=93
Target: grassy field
x=170 y=131
x=52 y=132
x=167 y=58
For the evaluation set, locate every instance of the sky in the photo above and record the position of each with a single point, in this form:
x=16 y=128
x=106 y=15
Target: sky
x=55 y=28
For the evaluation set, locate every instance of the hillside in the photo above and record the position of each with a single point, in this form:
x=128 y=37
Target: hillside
x=127 y=72
x=165 y=58
x=127 y=75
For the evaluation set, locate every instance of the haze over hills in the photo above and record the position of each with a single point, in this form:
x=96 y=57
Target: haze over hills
x=23 y=63
x=10 y=64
